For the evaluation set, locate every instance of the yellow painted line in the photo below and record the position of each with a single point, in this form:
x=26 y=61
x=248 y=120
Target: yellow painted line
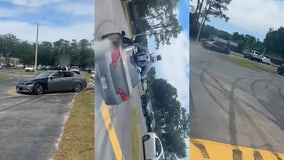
x=209 y=150
x=111 y=132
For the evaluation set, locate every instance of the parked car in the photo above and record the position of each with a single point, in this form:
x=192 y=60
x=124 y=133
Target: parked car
x=256 y=56
x=51 y=81
x=216 y=46
x=93 y=75
x=152 y=147
x=75 y=69
x=29 y=68
x=265 y=60
x=148 y=113
x=116 y=69
x=280 y=69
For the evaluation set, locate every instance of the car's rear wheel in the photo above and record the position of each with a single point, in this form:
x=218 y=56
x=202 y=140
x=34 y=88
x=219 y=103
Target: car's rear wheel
x=77 y=87
x=38 y=89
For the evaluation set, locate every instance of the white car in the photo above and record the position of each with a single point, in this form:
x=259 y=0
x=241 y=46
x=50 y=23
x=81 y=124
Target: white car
x=152 y=147
x=29 y=68
x=265 y=60
x=93 y=74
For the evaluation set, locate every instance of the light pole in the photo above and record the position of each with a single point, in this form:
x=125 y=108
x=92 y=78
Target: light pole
x=36 y=46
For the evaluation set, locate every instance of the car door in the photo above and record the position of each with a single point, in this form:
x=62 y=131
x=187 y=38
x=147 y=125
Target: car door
x=55 y=81
x=67 y=81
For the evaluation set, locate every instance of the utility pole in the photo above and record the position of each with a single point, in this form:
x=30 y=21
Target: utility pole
x=36 y=46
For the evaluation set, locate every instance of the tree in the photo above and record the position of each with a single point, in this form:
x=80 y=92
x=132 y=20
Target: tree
x=171 y=118
x=163 y=20
x=214 y=8
x=274 y=41
x=8 y=47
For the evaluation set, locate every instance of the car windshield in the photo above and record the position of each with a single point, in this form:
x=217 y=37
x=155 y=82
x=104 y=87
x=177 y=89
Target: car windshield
x=44 y=74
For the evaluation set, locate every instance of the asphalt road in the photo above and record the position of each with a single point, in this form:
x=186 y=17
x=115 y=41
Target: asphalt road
x=30 y=125
x=233 y=104
x=112 y=123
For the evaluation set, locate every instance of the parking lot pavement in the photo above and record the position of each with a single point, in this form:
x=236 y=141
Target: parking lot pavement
x=235 y=105
x=30 y=125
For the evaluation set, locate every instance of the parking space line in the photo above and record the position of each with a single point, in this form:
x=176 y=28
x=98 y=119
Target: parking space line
x=209 y=150
x=111 y=132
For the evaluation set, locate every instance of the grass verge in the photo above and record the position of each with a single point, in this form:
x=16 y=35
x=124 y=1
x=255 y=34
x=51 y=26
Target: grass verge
x=248 y=63
x=77 y=141
x=135 y=135
x=2 y=78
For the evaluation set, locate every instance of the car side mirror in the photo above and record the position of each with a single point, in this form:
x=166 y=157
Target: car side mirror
x=133 y=38
x=51 y=77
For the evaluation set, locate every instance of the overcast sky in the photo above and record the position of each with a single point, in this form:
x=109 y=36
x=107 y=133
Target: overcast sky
x=253 y=17
x=66 y=19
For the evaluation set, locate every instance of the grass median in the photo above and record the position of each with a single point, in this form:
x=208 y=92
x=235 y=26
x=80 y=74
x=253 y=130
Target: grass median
x=77 y=141
x=3 y=78
x=248 y=63
x=135 y=135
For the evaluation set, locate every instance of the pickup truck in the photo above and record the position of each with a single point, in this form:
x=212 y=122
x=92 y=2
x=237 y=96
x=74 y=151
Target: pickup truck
x=253 y=55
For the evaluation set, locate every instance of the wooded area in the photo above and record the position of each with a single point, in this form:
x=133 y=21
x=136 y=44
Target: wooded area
x=80 y=52
x=172 y=120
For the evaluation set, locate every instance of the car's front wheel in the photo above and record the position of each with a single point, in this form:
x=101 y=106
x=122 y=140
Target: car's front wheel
x=38 y=88
x=77 y=87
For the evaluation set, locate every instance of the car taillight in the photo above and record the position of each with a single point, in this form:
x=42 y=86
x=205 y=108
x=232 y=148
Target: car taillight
x=114 y=56
x=122 y=94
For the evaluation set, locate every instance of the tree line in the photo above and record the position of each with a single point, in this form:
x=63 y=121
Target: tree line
x=80 y=52
x=172 y=119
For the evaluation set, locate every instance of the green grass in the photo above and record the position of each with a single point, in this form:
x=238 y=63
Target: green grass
x=248 y=63
x=126 y=15
x=87 y=76
x=22 y=72
x=135 y=135
x=2 y=78
x=77 y=141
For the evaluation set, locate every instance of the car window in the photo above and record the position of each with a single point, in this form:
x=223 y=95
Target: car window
x=158 y=147
x=67 y=74
x=57 y=74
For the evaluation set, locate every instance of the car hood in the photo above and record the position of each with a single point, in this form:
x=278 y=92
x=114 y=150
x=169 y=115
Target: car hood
x=27 y=80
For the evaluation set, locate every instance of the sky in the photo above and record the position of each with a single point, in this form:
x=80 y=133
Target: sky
x=57 y=19
x=253 y=17
x=174 y=66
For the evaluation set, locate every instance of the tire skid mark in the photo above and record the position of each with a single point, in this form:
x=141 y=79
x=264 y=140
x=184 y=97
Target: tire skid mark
x=280 y=93
x=237 y=154
x=275 y=112
x=257 y=155
x=20 y=103
x=203 y=150
x=202 y=79
x=258 y=130
x=232 y=114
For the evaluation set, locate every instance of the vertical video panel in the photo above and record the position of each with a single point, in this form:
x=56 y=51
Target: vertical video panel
x=141 y=79
x=236 y=80
x=46 y=90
